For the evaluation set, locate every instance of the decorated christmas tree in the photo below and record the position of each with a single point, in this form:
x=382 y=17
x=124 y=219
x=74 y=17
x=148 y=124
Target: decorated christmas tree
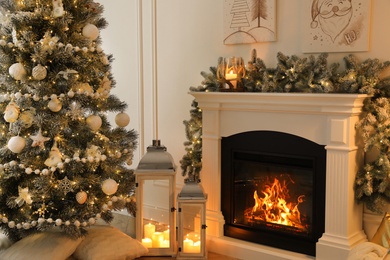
x=62 y=164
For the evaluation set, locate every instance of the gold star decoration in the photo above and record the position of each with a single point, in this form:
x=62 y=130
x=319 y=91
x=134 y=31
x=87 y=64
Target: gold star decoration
x=39 y=140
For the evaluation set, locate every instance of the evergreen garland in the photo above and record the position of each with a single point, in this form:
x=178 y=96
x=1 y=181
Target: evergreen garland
x=314 y=75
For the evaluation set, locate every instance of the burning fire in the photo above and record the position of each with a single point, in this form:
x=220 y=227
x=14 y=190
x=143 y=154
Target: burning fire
x=274 y=208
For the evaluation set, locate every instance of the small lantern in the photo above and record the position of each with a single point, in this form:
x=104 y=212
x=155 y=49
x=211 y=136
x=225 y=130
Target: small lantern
x=156 y=217
x=192 y=221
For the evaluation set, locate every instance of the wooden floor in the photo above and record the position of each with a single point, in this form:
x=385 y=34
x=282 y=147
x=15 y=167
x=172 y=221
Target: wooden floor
x=211 y=256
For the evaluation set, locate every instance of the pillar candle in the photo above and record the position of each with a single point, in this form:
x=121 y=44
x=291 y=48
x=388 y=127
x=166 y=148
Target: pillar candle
x=157 y=238
x=149 y=230
x=166 y=234
x=187 y=245
x=147 y=242
x=164 y=243
x=196 y=247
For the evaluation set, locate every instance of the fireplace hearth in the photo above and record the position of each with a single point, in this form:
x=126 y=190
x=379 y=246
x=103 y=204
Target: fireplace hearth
x=325 y=119
x=274 y=189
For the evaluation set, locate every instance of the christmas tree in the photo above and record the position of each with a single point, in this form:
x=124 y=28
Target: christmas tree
x=61 y=162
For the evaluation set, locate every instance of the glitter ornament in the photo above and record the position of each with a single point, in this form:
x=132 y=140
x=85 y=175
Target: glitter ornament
x=11 y=112
x=55 y=157
x=109 y=186
x=27 y=117
x=90 y=31
x=39 y=72
x=54 y=105
x=16 y=144
x=58 y=8
x=81 y=197
x=94 y=122
x=17 y=71
x=122 y=119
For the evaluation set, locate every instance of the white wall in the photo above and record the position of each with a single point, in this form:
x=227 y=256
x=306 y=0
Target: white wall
x=190 y=40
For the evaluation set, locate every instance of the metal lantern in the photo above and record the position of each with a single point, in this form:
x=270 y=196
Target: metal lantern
x=192 y=221
x=156 y=216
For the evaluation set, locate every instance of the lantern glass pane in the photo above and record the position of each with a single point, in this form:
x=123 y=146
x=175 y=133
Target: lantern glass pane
x=191 y=219
x=155 y=231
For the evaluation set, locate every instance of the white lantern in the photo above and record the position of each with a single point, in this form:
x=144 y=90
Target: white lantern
x=155 y=225
x=191 y=221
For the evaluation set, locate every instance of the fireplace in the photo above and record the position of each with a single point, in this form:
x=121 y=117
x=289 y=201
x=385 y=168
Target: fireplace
x=274 y=189
x=324 y=119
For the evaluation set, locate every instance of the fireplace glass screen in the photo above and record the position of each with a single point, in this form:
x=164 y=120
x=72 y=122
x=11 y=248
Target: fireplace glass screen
x=273 y=189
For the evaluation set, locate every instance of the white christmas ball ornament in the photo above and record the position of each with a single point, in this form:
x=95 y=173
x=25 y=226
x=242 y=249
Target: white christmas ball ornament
x=91 y=31
x=109 y=186
x=81 y=197
x=16 y=144
x=94 y=122
x=17 y=71
x=39 y=72
x=122 y=119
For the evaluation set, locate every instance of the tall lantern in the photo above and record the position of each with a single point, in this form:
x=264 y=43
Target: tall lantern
x=155 y=195
x=192 y=221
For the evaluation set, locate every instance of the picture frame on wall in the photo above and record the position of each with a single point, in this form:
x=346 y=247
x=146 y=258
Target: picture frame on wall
x=336 y=26
x=249 y=21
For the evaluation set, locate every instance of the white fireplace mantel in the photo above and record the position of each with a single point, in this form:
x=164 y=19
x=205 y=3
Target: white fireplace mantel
x=327 y=119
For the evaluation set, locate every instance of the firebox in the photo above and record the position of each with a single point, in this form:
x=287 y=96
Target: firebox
x=273 y=189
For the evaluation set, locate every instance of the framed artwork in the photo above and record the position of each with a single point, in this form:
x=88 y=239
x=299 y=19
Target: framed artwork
x=336 y=25
x=249 y=21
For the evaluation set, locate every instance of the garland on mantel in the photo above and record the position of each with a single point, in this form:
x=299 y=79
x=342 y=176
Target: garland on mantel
x=314 y=75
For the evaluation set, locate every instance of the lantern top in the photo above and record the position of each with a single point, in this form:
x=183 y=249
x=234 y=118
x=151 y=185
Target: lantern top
x=192 y=190
x=156 y=158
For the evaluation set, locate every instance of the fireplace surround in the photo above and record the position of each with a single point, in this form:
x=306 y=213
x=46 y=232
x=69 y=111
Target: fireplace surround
x=325 y=119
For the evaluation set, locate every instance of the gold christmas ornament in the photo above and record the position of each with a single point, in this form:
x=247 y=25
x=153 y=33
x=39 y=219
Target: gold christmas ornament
x=16 y=144
x=109 y=186
x=94 y=122
x=81 y=197
x=27 y=117
x=91 y=31
x=122 y=119
x=39 y=72
x=17 y=71
x=54 y=105
x=11 y=112
x=55 y=157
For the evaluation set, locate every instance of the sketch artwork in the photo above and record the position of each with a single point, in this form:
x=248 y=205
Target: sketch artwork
x=249 y=21
x=336 y=25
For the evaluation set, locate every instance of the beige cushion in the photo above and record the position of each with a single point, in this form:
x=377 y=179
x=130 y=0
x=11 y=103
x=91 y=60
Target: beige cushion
x=42 y=246
x=107 y=242
x=382 y=235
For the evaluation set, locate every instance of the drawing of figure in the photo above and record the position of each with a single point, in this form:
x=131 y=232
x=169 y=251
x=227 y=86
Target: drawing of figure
x=333 y=16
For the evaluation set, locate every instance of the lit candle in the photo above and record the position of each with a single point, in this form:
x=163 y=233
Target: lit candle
x=166 y=234
x=165 y=243
x=196 y=247
x=149 y=230
x=187 y=245
x=157 y=238
x=231 y=75
x=147 y=242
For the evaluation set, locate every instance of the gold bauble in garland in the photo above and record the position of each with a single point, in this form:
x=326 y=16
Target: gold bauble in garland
x=122 y=119
x=109 y=186
x=39 y=72
x=94 y=122
x=17 y=71
x=16 y=144
x=81 y=197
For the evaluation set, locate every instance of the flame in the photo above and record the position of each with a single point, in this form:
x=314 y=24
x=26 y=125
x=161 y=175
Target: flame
x=274 y=208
